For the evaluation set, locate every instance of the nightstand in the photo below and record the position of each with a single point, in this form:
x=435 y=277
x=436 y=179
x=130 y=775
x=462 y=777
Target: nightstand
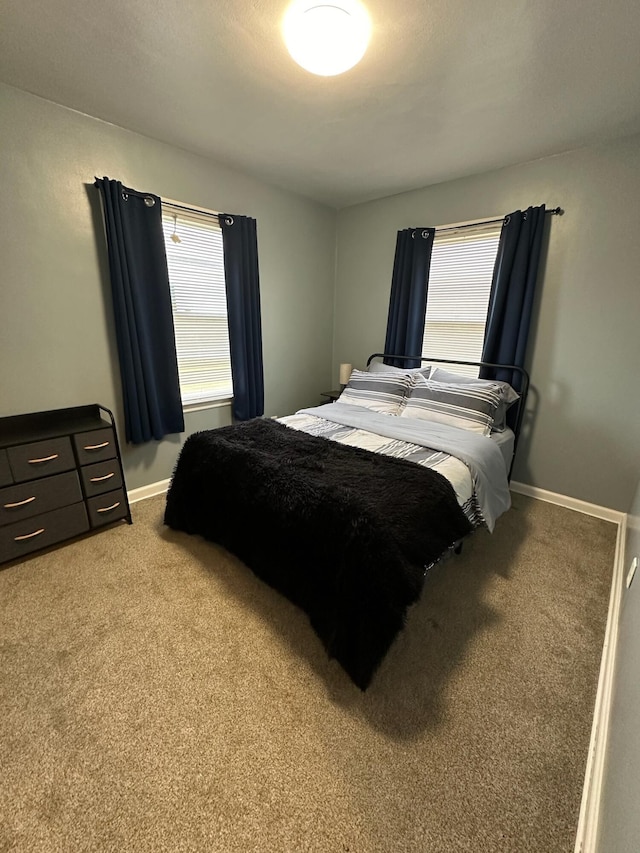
x=331 y=396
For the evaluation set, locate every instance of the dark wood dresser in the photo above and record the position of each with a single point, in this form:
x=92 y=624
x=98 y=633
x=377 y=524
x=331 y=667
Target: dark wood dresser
x=60 y=475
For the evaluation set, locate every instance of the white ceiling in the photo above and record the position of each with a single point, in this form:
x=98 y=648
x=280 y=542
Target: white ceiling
x=447 y=88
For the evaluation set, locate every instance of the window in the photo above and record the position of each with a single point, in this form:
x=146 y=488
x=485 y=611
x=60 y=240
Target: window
x=193 y=241
x=458 y=297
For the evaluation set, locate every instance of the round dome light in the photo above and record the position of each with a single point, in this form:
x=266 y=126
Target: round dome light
x=326 y=38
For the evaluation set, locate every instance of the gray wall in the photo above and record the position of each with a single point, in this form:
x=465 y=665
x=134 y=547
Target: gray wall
x=619 y=815
x=56 y=335
x=584 y=347
x=57 y=345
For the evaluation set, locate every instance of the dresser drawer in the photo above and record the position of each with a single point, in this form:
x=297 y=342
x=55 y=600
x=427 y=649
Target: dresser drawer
x=60 y=476
x=23 y=537
x=5 y=470
x=38 y=496
x=108 y=507
x=41 y=459
x=101 y=477
x=95 y=446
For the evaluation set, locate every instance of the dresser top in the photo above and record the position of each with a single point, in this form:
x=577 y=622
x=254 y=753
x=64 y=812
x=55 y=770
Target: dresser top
x=22 y=429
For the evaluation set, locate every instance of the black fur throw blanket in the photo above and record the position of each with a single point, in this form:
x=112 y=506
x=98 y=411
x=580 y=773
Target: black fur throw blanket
x=344 y=533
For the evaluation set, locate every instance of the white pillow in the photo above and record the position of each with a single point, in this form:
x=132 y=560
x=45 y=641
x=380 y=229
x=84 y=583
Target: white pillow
x=381 y=392
x=381 y=367
x=467 y=406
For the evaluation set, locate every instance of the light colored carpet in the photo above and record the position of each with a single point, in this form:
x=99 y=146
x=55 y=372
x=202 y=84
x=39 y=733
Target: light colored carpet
x=155 y=696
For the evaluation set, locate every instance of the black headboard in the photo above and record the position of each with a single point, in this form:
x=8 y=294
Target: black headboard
x=519 y=406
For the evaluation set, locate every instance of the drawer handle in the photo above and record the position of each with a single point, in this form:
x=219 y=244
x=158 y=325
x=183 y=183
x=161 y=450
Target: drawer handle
x=19 y=503
x=28 y=535
x=100 y=479
x=109 y=508
x=96 y=446
x=44 y=459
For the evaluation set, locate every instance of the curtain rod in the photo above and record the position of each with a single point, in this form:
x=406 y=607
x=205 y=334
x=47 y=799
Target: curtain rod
x=552 y=211
x=128 y=190
x=191 y=207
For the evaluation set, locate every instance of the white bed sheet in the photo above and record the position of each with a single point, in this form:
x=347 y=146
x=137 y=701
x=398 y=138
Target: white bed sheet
x=453 y=469
x=476 y=468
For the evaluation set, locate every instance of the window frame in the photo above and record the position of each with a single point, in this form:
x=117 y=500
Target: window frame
x=492 y=228
x=174 y=206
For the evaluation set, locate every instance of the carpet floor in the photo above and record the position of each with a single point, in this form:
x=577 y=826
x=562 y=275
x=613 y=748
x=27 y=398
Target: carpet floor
x=155 y=696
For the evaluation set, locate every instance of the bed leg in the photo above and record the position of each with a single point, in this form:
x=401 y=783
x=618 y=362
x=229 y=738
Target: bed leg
x=457 y=548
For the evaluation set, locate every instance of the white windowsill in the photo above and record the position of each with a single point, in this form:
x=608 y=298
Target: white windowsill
x=211 y=404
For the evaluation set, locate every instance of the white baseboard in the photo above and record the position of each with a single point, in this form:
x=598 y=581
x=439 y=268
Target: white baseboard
x=588 y=821
x=587 y=835
x=159 y=488
x=595 y=510
x=149 y=491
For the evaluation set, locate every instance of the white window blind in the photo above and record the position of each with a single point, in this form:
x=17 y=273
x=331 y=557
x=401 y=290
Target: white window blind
x=458 y=296
x=195 y=258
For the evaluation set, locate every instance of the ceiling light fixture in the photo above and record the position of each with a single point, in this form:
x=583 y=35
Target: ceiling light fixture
x=326 y=38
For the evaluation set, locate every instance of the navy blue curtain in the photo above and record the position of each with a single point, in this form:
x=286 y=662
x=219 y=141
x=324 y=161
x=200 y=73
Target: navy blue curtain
x=142 y=310
x=512 y=290
x=408 y=300
x=240 y=241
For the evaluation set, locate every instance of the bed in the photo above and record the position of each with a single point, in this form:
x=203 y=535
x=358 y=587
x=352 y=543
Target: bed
x=344 y=507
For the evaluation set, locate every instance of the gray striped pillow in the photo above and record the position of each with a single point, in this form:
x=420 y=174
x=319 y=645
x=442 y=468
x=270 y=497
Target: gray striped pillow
x=466 y=406
x=381 y=392
x=509 y=396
